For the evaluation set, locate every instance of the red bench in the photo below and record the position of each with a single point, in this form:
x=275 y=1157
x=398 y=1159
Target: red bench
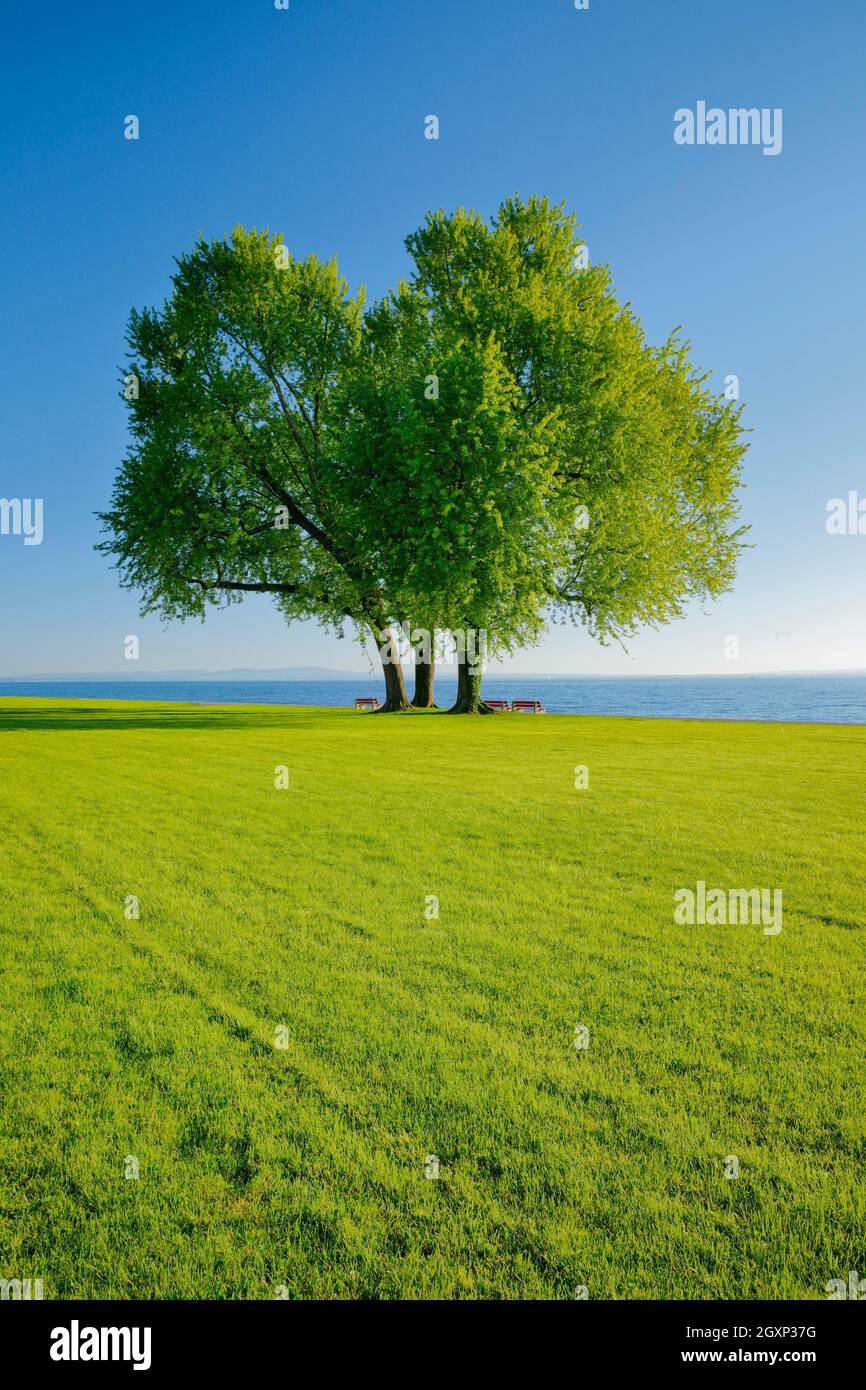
x=527 y=707
x=366 y=702
x=498 y=705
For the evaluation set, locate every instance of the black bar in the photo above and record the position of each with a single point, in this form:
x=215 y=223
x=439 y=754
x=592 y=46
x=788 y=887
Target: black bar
x=230 y=1337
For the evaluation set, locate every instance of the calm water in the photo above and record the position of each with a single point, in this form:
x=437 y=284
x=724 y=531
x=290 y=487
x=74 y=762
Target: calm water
x=834 y=699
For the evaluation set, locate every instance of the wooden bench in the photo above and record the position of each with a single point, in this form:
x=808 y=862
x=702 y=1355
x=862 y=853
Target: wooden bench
x=499 y=705
x=366 y=702
x=527 y=707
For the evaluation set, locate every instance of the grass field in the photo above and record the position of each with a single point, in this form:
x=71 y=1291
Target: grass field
x=283 y=1040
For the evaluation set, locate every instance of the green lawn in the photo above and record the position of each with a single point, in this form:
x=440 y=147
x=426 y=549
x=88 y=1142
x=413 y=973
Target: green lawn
x=303 y=1166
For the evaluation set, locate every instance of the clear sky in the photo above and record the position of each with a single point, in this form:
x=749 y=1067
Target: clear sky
x=311 y=121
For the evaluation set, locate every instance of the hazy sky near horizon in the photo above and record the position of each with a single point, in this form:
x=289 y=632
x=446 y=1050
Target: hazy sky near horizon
x=311 y=121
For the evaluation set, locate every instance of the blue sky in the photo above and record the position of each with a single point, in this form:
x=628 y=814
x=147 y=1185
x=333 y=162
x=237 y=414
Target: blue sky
x=311 y=121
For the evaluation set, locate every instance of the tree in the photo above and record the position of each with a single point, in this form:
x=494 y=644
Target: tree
x=233 y=483
x=610 y=471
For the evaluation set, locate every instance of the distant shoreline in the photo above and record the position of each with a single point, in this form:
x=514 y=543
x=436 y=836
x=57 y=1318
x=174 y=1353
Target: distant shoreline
x=444 y=674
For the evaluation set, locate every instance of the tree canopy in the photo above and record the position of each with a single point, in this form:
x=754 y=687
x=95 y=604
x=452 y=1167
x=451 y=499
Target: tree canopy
x=643 y=461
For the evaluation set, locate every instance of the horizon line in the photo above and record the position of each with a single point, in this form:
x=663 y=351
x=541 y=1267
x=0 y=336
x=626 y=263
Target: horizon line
x=341 y=674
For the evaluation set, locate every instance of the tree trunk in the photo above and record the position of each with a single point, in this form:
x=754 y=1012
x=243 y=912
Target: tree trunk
x=424 y=673
x=395 y=687
x=469 y=678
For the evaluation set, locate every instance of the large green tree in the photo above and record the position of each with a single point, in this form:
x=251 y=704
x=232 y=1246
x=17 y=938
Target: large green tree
x=233 y=483
x=565 y=469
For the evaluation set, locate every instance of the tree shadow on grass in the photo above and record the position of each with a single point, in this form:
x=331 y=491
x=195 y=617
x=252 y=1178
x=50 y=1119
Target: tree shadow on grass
x=48 y=717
